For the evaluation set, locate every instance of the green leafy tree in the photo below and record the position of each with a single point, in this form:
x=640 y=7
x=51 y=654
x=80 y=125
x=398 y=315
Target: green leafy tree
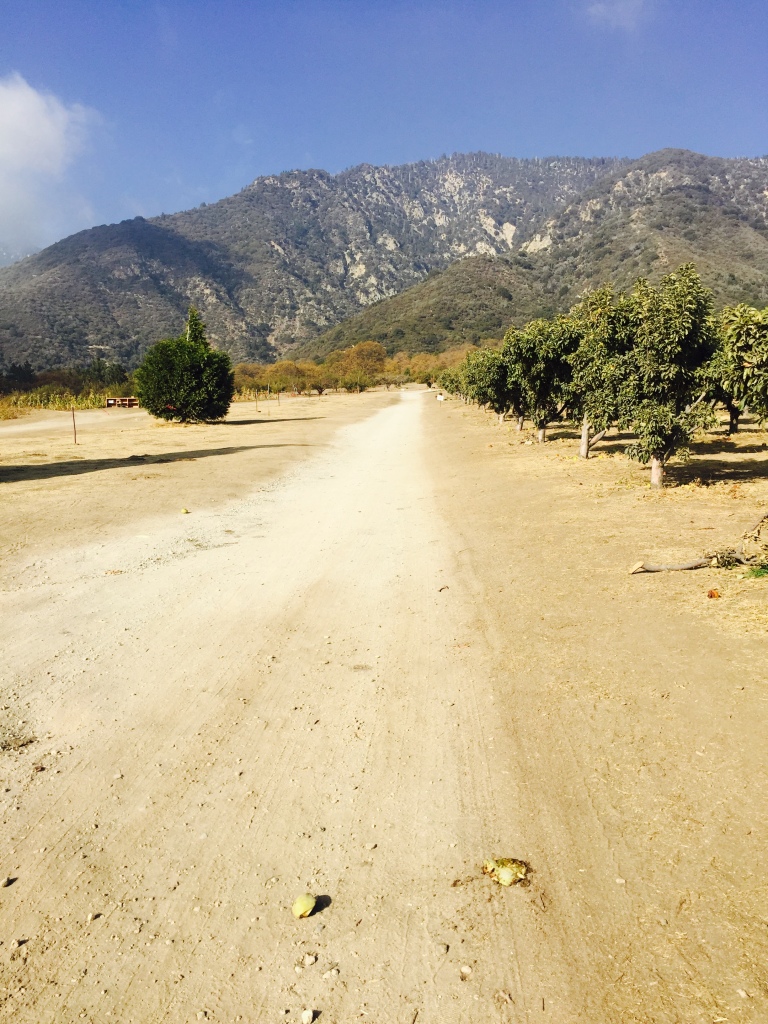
x=486 y=381
x=602 y=322
x=738 y=371
x=539 y=370
x=661 y=398
x=184 y=378
x=450 y=380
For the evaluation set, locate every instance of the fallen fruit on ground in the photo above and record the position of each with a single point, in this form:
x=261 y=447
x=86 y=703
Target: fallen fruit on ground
x=304 y=905
x=505 y=870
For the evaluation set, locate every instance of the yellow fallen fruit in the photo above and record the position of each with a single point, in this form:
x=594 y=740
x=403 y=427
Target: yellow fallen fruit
x=505 y=870
x=304 y=905
x=185 y=511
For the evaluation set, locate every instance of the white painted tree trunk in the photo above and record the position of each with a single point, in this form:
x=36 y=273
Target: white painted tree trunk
x=584 y=446
x=520 y=422
x=542 y=435
x=657 y=472
x=501 y=417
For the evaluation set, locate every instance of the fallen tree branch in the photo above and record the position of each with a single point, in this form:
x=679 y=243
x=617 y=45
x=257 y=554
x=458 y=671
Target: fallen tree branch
x=724 y=558
x=700 y=563
x=756 y=528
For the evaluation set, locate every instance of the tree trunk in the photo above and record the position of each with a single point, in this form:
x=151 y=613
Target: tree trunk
x=520 y=422
x=501 y=417
x=733 y=417
x=542 y=435
x=657 y=471
x=584 y=446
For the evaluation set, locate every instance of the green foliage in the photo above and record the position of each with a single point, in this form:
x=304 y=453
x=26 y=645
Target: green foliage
x=472 y=301
x=97 y=377
x=185 y=379
x=539 y=368
x=487 y=381
x=673 y=338
x=451 y=380
x=740 y=365
x=602 y=323
x=18 y=377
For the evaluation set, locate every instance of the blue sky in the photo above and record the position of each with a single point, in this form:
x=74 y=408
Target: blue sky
x=113 y=109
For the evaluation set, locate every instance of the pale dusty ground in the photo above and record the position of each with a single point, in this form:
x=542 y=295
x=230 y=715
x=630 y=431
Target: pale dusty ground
x=365 y=661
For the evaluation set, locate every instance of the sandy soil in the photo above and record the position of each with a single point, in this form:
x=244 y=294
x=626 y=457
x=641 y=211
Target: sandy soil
x=366 y=660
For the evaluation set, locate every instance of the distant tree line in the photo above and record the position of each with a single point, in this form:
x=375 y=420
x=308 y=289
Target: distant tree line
x=79 y=386
x=655 y=362
x=356 y=368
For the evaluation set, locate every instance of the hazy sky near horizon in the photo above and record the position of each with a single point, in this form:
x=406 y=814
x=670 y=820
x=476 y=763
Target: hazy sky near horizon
x=110 y=110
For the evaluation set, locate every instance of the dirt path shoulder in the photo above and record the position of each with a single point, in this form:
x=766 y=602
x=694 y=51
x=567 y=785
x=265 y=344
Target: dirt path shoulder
x=635 y=708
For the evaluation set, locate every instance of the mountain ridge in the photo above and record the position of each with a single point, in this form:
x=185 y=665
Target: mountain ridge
x=298 y=261
x=277 y=263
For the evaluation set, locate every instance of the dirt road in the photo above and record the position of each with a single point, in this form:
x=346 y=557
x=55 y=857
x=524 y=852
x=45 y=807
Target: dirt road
x=405 y=654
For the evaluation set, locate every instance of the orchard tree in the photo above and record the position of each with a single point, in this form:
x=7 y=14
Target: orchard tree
x=603 y=326
x=487 y=381
x=661 y=395
x=184 y=378
x=451 y=380
x=285 y=375
x=363 y=365
x=539 y=371
x=738 y=371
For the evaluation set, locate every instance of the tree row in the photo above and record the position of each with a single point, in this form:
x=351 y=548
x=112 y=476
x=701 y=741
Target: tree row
x=655 y=361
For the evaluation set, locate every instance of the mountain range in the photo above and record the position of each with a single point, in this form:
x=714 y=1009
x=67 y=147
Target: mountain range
x=419 y=256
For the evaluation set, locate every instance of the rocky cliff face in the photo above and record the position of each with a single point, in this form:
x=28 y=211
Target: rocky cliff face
x=642 y=219
x=278 y=263
x=283 y=262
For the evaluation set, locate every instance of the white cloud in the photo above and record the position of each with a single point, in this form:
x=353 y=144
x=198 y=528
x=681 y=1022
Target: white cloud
x=625 y=14
x=40 y=138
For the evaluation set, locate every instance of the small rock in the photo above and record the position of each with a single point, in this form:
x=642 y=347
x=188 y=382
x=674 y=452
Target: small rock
x=5 y=882
x=621 y=881
x=742 y=993
x=370 y=846
x=466 y=970
x=319 y=927
x=89 y=918
x=442 y=947
x=307 y=1017
x=299 y=969
x=309 y=959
